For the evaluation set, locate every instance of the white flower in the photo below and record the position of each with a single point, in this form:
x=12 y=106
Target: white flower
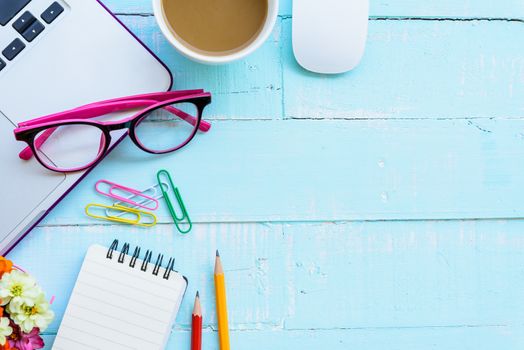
x=5 y=330
x=29 y=316
x=18 y=287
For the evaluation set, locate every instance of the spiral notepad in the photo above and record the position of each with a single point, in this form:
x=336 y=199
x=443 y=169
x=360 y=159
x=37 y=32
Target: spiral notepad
x=121 y=301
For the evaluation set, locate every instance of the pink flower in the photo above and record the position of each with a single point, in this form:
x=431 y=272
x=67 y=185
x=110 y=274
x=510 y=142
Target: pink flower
x=25 y=341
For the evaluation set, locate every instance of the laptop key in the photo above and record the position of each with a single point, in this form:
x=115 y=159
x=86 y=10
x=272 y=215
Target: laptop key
x=22 y=23
x=2 y=65
x=33 y=31
x=10 y=8
x=13 y=49
x=52 y=12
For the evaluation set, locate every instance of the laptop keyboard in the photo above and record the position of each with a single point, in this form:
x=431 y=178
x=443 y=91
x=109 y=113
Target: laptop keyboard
x=9 y=9
x=28 y=25
x=52 y=12
x=11 y=51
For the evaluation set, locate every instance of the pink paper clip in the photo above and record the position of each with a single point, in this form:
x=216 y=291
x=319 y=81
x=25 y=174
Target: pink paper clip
x=126 y=191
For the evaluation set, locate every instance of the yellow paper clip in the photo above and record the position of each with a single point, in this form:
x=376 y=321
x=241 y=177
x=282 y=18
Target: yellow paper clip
x=135 y=214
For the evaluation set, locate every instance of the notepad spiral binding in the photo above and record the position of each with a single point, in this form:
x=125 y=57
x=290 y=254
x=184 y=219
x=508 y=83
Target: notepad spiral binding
x=145 y=262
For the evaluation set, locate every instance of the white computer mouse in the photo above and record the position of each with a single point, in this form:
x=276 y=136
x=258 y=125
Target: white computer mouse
x=329 y=36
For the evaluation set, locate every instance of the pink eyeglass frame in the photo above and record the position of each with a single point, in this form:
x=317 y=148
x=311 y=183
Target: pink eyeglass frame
x=28 y=130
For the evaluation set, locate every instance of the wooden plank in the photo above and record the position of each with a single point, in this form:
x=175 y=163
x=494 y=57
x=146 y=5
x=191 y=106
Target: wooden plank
x=404 y=274
x=302 y=170
x=417 y=69
x=410 y=8
x=238 y=88
x=479 y=77
x=248 y=256
x=483 y=338
x=452 y=338
x=441 y=9
x=408 y=280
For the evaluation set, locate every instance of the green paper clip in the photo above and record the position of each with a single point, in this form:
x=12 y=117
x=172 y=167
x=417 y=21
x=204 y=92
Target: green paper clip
x=185 y=216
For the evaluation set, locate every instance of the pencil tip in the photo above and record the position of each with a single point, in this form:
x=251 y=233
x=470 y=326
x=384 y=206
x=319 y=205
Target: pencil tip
x=197 y=295
x=218 y=254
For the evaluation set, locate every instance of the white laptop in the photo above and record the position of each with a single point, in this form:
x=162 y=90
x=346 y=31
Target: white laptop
x=56 y=55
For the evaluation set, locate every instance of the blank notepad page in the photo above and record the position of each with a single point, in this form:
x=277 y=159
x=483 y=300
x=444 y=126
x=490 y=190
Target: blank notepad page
x=116 y=306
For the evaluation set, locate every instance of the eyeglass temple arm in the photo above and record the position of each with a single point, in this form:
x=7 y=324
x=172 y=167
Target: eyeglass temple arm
x=27 y=153
x=96 y=110
x=156 y=96
x=99 y=109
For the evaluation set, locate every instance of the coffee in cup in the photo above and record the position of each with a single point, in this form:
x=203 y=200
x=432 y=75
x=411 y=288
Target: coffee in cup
x=216 y=31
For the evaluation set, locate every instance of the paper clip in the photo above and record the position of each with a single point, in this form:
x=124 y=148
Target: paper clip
x=185 y=216
x=136 y=215
x=135 y=193
x=151 y=191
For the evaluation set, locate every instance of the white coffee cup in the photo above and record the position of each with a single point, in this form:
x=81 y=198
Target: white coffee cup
x=261 y=37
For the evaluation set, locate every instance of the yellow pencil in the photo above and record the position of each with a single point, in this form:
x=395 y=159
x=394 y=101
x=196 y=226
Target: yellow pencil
x=220 y=289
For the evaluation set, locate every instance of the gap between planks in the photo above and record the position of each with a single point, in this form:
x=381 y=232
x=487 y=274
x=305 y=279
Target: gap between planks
x=297 y=222
x=382 y=18
x=273 y=327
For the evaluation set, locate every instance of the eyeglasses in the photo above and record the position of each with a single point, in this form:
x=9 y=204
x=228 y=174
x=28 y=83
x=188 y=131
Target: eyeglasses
x=69 y=141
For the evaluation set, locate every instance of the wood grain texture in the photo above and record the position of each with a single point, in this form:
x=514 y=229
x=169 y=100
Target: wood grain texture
x=444 y=75
x=319 y=188
x=459 y=338
x=416 y=69
x=401 y=8
x=237 y=88
x=297 y=170
x=246 y=248
x=402 y=279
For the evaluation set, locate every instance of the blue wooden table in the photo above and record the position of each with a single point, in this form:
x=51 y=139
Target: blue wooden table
x=379 y=209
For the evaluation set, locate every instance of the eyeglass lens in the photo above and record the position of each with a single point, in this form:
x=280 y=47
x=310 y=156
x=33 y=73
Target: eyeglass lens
x=69 y=146
x=168 y=127
x=74 y=146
